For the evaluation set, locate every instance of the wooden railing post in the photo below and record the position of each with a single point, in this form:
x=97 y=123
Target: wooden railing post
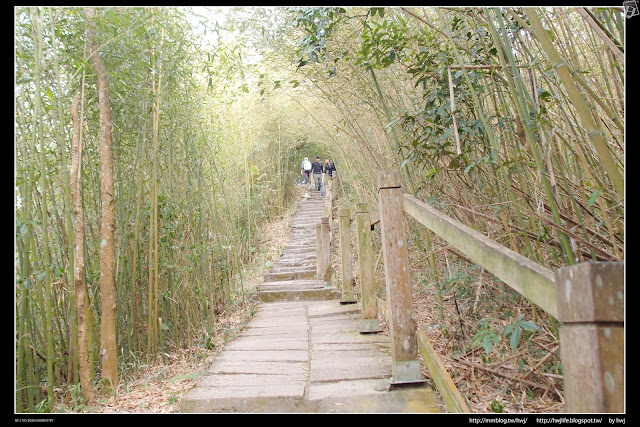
x=591 y=307
x=345 y=255
x=325 y=256
x=370 y=323
x=402 y=325
x=328 y=204
x=319 y=251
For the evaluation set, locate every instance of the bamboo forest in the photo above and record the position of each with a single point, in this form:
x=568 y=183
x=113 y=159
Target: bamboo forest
x=157 y=176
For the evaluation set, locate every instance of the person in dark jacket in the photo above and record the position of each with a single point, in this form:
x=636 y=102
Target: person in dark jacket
x=318 y=172
x=329 y=167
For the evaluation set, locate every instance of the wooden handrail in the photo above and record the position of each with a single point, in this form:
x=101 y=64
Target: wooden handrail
x=531 y=280
x=587 y=298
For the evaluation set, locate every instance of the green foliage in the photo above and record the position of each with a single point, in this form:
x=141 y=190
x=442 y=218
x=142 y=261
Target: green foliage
x=317 y=24
x=514 y=330
x=486 y=337
x=384 y=40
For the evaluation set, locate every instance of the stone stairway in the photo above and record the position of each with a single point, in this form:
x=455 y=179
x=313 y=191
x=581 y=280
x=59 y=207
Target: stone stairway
x=303 y=351
x=293 y=276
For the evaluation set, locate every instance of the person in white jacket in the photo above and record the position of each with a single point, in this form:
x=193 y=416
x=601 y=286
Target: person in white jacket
x=305 y=169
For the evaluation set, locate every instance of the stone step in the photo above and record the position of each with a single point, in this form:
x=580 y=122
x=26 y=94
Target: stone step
x=298 y=254
x=303 y=233
x=295 y=269
x=307 y=259
x=305 y=357
x=290 y=275
x=307 y=235
x=299 y=250
x=299 y=242
x=302 y=263
x=296 y=290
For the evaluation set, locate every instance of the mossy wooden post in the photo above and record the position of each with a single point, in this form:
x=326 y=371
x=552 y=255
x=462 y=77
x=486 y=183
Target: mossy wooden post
x=335 y=184
x=325 y=255
x=319 y=267
x=370 y=323
x=345 y=256
x=591 y=307
x=328 y=204
x=405 y=366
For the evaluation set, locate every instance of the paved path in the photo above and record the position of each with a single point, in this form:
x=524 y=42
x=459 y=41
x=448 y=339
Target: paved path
x=292 y=277
x=303 y=352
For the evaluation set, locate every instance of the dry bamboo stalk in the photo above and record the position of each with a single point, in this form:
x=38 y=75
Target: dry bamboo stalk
x=78 y=273
x=499 y=373
x=595 y=136
x=47 y=304
x=607 y=41
x=108 y=349
x=544 y=359
x=453 y=111
x=478 y=291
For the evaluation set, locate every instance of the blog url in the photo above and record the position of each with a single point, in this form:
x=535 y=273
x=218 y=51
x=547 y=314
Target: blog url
x=562 y=420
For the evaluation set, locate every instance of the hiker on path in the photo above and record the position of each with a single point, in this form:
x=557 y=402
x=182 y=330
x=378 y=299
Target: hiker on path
x=318 y=172
x=305 y=169
x=329 y=167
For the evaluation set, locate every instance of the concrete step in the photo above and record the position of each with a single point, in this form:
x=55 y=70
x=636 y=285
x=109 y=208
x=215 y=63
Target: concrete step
x=290 y=264
x=297 y=254
x=302 y=243
x=309 y=259
x=295 y=269
x=307 y=234
x=290 y=275
x=296 y=290
x=305 y=356
x=300 y=250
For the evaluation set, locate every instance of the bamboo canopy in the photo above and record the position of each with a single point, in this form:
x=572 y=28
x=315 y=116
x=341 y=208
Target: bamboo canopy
x=157 y=149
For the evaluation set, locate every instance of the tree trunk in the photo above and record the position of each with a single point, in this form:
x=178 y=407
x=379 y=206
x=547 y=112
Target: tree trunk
x=108 y=349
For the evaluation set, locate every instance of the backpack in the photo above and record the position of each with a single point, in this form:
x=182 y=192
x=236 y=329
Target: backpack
x=306 y=165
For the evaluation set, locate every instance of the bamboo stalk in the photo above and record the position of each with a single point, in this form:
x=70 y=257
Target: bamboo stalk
x=108 y=350
x=24 y=376
x=453 y=111
x=60 y=137
x=79 y=271
x=500 y=373
x=48 y=303
x=595 y=136
x=583 y=84
x=614 y=45
x=523 y=112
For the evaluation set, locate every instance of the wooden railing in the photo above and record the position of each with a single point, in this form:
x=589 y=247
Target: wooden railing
x=587 y=298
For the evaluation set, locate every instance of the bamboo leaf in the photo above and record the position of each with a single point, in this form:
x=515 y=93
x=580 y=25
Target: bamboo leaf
x=508 y=329
x=529 y=326
x=593 y=198
x=515 y=337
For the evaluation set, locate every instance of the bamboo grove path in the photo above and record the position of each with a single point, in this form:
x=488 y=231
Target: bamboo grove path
x=302 y=351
